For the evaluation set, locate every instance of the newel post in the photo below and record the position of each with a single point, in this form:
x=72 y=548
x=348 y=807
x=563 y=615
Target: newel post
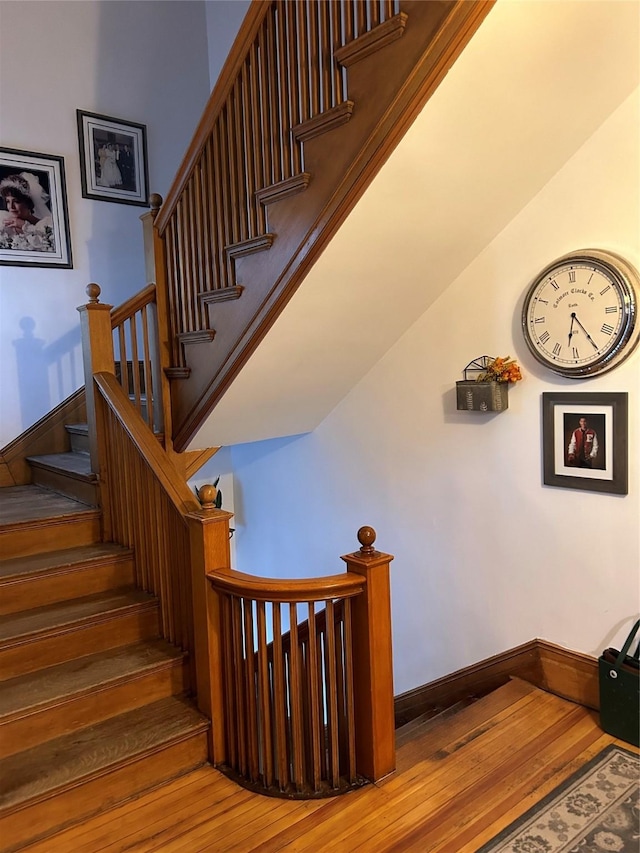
x=373 y=663
x=210 y=551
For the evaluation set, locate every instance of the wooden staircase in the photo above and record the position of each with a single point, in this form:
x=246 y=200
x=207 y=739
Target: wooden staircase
x=93 y=704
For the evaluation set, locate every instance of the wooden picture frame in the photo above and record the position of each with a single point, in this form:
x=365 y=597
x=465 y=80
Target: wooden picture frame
x=585 y=441
x=34 y=221
x=113 y=159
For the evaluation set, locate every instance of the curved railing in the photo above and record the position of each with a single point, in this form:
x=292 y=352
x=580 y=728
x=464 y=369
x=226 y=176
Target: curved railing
x=289 y=653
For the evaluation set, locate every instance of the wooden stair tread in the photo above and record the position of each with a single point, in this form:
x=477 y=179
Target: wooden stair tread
x=33 y=503
x=96 y=750
x=27 y=693
x=53 y=617
x=51 y=561
x=75 y=464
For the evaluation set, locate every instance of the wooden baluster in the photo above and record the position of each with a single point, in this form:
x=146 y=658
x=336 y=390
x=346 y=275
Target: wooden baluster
x=373 y=666
x=237 y=649
x=231 y=711
x=349 y=21
x=295 y=689
x=350 y=765
x=291 y=80
x=338 y=76
x=313 y=47
x=374 y=13
x=250 y=690
x=264 y=697
x=361 y=15
x=315 y=722
x=247 y=141
x=209 y=551
x=149 y=389
x=280 y=702
x=135 y=365
x=257 y=132
x=303 y=60
x=332 y=697
x=324 y=47
x=281 y=74
x=222 y=262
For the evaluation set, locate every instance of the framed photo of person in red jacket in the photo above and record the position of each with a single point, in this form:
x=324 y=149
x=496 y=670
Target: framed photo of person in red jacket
x=585 y=441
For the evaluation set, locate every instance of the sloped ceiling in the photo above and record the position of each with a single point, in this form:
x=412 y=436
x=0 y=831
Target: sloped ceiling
x=538 y=78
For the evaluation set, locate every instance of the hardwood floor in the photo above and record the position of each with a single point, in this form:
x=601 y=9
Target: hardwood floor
x=460 y=779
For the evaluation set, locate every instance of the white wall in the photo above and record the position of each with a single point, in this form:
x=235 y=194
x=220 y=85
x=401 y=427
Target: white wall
x=142 y=61
x=224 y=18
x=486 y=556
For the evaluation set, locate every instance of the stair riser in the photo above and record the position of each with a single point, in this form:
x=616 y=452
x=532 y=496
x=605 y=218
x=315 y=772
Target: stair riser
x=76 y=712
x=51 y=587
x=49 y=535
x=79 y=442
x=48 y=649
x=63 y=484
x=78 y=802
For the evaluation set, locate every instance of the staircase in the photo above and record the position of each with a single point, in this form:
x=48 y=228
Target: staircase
x=94 y=705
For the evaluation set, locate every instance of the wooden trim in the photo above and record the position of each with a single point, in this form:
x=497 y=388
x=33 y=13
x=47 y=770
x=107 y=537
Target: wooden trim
x=570 y=675
x=222 y=294
x=476 y=680
x=48 y=435
x=372 y=41
x=203 y=336
x=193 y=460
x=249 y=247
x=322 y=123
x=283 y=189
x=177 y=372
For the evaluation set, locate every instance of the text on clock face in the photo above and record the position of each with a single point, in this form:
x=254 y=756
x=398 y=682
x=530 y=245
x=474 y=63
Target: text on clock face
x=574 y=324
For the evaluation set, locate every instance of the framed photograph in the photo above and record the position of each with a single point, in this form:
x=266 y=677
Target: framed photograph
x=34 y=223
x=113 y=159
x=585 y=441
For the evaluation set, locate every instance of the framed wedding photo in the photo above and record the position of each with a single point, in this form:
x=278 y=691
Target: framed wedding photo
x=585 y=441
x=113 y=159
x=34 y=222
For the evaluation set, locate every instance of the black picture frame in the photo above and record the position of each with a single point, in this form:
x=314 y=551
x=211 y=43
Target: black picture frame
x=113 y=159
x=607 y=415
x=34 y=220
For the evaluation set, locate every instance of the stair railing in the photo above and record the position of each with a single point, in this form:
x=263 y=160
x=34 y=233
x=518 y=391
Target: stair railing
x=306 y=676
x=311 y=712
x=145 y=501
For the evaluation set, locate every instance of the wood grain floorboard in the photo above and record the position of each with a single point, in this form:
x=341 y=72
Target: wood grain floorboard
x=460 y=780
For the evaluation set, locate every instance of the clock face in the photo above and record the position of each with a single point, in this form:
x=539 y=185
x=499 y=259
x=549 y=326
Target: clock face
x=579 y=316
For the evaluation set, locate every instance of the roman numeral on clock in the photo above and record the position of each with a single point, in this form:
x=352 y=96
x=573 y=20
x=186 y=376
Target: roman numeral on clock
x=544 y=337
x=606 y=330
x=556 y=349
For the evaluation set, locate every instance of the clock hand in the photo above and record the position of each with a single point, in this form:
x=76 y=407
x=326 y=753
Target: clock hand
x=586 y=334
x=573 y=318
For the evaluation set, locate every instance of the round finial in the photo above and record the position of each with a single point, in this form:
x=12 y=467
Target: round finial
x=207 y=496
x=155 y=202
x=93 y=292
x=366 y=538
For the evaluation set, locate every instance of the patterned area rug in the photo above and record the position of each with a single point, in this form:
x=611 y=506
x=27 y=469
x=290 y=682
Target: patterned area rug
x=597 y=810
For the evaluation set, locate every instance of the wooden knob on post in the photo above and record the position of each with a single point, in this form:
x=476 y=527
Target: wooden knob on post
x=155 y=203
x=366 y=538
x=93 y=292
x=207 y=496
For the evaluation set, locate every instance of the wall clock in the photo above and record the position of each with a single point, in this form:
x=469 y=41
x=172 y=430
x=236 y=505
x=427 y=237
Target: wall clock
x=579 y=316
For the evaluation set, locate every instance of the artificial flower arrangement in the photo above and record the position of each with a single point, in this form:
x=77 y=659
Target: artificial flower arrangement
x=501 y=370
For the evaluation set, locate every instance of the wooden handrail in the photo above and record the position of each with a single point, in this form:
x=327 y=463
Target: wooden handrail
x=123 y=312
x=287 y=590
x=176 y=489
